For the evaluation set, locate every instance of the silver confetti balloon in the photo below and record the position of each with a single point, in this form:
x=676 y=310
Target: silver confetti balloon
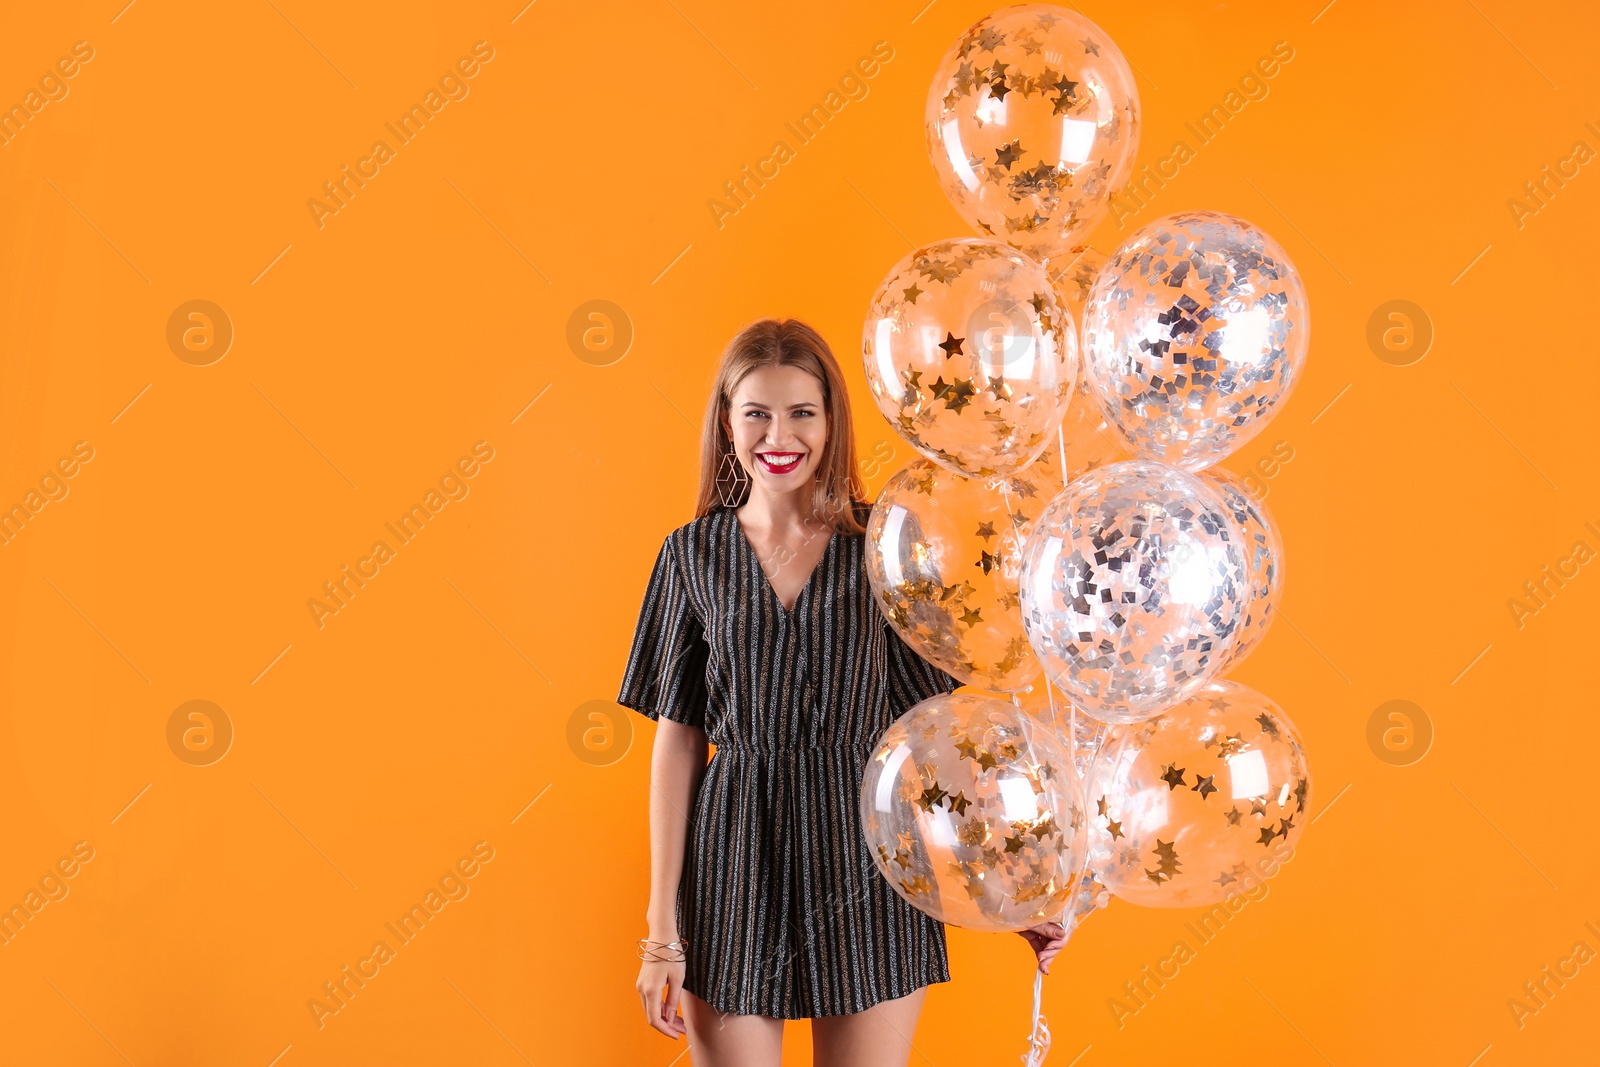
x=1195 y=333
x=1133 y=584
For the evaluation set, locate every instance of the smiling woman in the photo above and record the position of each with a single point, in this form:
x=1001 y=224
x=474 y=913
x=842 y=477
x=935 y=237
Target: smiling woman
x=759 y=633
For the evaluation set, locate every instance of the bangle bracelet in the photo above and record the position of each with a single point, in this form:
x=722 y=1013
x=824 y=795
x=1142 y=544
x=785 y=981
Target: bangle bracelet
x=662 y=951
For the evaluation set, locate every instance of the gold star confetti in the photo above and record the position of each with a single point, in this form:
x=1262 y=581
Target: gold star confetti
x=990 y=39
x=1168 y=862
x=1232 y=745
x=1032 y=891
x=960 y=394
x=931 y=797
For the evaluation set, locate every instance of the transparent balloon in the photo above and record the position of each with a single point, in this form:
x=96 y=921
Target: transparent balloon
x=1263 y=548
x=1133 y=583
x=975 y=815
x=970 y=357
x=1200 y=804
x=943 y=554
x=1032 y=123
x=1194 y=335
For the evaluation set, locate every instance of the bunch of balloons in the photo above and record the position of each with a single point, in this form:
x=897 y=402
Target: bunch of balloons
x=1066 y=530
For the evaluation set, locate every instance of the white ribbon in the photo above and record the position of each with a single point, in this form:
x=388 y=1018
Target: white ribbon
x=1039 y=1039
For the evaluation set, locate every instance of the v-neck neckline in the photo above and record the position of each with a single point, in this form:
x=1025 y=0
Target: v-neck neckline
x=755 y=557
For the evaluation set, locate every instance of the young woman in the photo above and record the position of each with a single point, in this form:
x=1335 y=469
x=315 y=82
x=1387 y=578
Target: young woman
x=759 y=634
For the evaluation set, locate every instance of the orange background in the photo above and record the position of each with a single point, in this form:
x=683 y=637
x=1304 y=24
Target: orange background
x=433 y=711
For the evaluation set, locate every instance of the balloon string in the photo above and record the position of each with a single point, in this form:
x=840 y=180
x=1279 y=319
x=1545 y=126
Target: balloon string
x=1039 y=1037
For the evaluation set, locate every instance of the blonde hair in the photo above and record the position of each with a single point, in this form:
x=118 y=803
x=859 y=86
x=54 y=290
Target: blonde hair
x=839 y=495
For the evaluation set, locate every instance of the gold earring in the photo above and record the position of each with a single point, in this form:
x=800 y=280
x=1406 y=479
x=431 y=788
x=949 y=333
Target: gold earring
x=732 y=480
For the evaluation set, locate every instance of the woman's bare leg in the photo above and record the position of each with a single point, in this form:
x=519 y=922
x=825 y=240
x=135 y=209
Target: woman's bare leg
x=878 y=1037
x=718 y=1039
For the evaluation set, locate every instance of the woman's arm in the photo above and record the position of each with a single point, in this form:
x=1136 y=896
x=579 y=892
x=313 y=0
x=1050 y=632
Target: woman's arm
x=677 y=764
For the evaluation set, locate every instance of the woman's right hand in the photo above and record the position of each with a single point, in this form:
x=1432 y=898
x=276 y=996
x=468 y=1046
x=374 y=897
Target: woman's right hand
x=660 y=987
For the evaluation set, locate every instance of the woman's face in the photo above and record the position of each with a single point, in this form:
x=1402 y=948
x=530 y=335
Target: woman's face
x=778 y=427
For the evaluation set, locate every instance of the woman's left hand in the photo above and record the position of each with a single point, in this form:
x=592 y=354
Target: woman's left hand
x=1046 y=940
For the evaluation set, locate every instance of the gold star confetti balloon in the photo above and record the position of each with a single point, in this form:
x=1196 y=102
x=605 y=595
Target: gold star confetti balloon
x=943 y=555
x=974 y=814
x=1194 y=335
x=1133 y=584
x=969 y=356
x=1263 y=549
x=1085 y=435
x=1032 y=123
x=1199 y=804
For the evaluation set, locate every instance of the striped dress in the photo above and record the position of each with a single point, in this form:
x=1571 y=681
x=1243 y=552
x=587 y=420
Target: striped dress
x=781 y=907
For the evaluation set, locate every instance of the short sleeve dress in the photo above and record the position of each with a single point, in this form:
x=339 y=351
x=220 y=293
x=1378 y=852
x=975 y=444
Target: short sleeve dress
x=782 y=909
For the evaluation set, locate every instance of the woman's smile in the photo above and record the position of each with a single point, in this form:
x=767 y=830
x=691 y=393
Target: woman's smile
x=780 y=462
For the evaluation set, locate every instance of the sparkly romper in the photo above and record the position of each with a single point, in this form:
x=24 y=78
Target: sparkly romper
x=781 y=907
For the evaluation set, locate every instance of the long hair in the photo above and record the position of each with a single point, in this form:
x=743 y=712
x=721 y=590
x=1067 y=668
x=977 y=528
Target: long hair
x=839 y=496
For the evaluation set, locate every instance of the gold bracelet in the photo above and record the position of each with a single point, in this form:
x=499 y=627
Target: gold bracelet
x=652 y=950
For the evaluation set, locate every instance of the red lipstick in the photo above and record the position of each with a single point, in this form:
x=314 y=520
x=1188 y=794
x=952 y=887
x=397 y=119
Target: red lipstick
x=781 y=467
